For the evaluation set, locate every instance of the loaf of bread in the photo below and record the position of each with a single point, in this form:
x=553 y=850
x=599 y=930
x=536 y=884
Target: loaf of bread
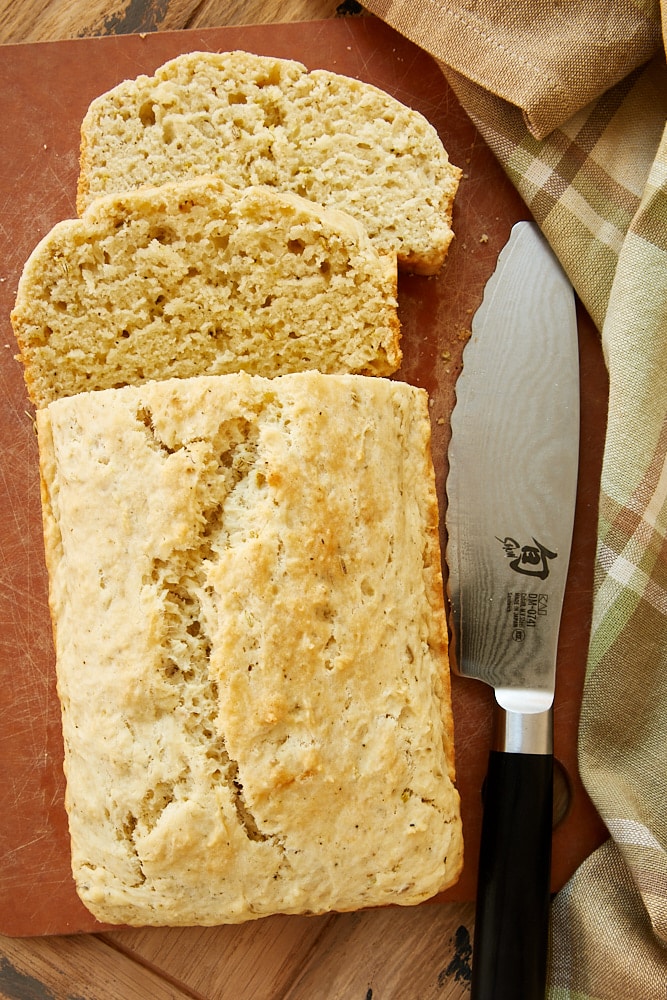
x=247 y=601
x=196 y=278
x=261 y=120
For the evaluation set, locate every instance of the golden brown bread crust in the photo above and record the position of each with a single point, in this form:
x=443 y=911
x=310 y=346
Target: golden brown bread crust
x=260 y=120
x=251 y=647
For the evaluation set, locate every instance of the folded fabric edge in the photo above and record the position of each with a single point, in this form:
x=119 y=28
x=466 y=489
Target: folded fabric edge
x=546 y=61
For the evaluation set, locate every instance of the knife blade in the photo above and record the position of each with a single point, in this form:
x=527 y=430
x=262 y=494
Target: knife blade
x=511 y=494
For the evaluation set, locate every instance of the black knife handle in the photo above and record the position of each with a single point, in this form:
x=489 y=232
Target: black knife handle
x=512 y=912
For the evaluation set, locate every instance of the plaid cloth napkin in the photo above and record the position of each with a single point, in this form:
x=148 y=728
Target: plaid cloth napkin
x=571 y=95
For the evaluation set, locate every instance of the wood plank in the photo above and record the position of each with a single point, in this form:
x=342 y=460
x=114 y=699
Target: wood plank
x=49 y=20
x=18 y=20
x=71 y=968
x=420 y=952
x=212 y=12
x=96 y=17
x=251 y=961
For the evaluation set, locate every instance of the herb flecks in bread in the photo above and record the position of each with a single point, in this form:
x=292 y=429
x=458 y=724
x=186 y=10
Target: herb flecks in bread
x=251 y=647
x=262 y=120
x=198 y=278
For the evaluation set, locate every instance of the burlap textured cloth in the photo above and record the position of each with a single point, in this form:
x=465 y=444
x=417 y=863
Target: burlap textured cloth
x=571 y=95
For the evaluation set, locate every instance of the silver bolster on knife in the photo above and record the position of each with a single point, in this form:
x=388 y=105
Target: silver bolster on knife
x=519 y=732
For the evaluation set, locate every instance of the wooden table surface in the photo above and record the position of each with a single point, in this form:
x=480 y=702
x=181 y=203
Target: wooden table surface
x=419 y=953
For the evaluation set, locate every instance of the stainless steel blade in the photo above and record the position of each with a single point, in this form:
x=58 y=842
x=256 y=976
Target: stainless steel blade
x=512 y=482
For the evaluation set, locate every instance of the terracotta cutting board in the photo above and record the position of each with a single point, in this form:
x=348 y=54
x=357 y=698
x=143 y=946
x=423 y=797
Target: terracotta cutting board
x=46 y=89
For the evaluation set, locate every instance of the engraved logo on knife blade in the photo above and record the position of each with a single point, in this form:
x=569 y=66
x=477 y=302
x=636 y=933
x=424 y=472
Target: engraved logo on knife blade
x=528 y=560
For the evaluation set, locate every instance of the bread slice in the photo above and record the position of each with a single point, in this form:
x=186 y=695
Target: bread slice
x=197 y=278
x=261 y=120
x=247 y=599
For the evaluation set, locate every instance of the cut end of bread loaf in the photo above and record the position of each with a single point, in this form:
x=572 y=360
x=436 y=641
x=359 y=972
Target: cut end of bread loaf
x=198 y=278
x=261 y=120
x=251 y=647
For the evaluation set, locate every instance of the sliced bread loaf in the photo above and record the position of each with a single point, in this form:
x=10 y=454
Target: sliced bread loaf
x=199 y=278
x=260 y=120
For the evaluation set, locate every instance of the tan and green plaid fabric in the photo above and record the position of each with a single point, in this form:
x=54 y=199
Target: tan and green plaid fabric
x=571 y=95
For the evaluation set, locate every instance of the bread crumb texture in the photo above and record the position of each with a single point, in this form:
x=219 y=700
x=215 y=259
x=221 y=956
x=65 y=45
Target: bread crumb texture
x=198 y=278
x=261 y=120
x=251 y=648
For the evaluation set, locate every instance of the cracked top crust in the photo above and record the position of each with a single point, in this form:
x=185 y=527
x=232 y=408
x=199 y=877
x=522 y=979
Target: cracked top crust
x=247 y=601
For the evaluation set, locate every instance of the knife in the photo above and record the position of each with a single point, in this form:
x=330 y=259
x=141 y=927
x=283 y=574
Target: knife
x=511 y=489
